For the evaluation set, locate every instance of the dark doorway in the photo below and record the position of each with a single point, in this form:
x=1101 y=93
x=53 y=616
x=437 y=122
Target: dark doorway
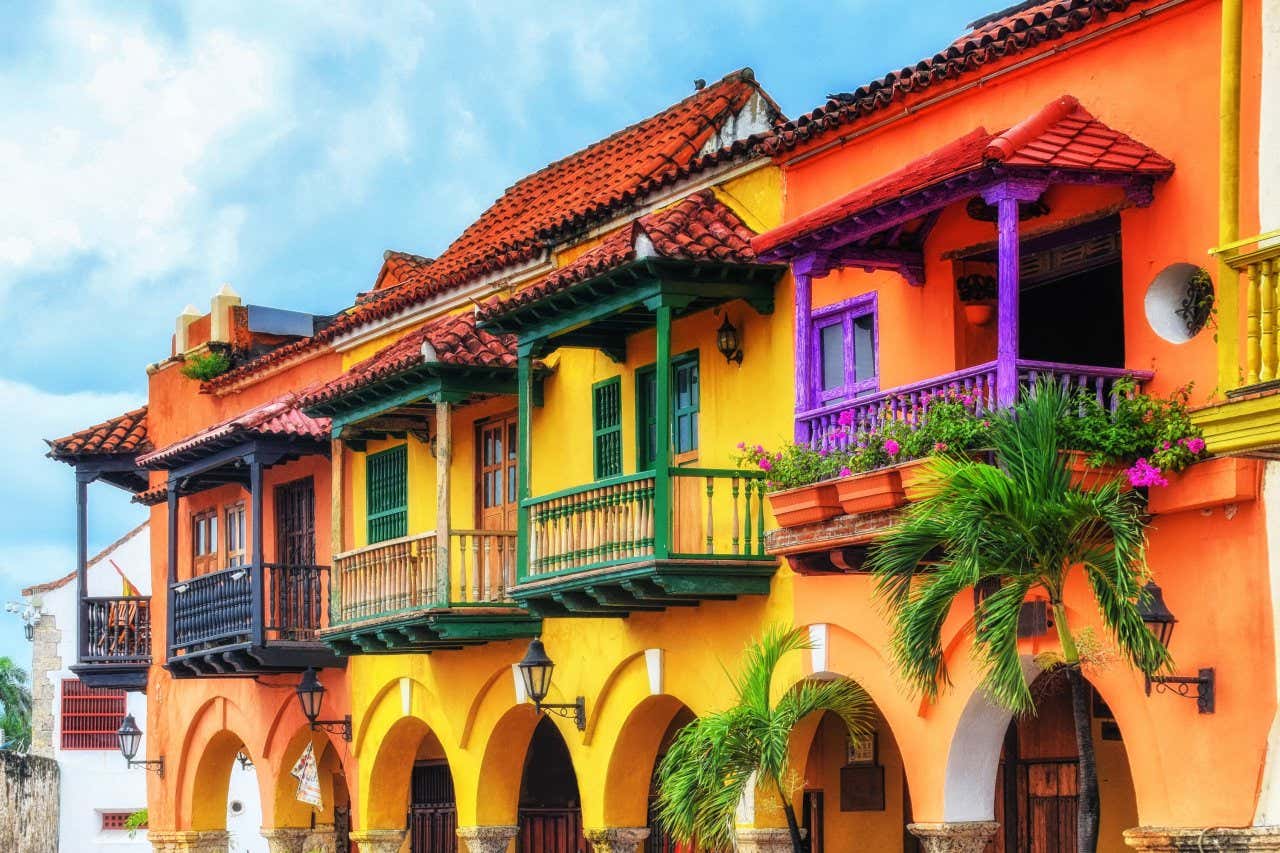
x=296 y=523
x=659 y=841
x=1071 y=302
x=550 y=810
x=433 y=813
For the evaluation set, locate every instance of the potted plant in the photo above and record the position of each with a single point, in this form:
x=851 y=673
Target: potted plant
x=977 y=297
x=800 y=479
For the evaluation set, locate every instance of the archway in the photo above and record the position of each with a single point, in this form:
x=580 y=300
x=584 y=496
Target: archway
x=230 y=800
x=659 y=841
x=853 y=792
x=329 y=822
x=414 y=784
x=550 y=810
x=1036 y=780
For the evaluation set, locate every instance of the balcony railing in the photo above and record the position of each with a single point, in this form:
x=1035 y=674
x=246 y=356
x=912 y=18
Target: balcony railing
x=116 y=630
x=218 y=609
x=715 y=514
x=401 y=576
x=1260 y=269
x=822 y=427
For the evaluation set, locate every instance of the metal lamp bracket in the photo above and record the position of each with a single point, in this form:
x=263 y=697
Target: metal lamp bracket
x=1180 y=685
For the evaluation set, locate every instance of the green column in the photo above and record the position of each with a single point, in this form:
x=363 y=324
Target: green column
x=662 y=445
x=524 y=418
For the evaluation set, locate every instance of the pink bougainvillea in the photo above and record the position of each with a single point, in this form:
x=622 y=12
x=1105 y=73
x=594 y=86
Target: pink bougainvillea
x=1143 y=473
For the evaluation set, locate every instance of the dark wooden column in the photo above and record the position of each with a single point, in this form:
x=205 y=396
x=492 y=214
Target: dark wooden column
x=83 y=479
x=257 y=577
x=171 y=615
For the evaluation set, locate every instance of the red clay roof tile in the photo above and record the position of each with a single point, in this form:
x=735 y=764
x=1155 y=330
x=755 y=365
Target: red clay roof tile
x=280 y=417
x=1020 y=29
x=584 y=188
x=453 y=339
x=120 y=435
x=1049 y=139
x=698 y=228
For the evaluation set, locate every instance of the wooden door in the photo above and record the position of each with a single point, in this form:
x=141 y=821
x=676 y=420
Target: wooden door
x=551 y=830
x=433 y=814
x=496 y=473
x=204 y=542
x=296 y=523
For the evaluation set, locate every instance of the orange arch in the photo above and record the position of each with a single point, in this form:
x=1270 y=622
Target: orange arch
x=630 y=767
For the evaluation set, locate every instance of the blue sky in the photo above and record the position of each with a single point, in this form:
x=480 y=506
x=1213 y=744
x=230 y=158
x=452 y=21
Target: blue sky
x=151 y=152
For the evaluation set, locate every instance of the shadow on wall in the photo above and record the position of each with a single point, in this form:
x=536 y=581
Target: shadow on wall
x=28 y=803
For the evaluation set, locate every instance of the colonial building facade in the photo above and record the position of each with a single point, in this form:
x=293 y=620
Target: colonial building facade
x=360 y=522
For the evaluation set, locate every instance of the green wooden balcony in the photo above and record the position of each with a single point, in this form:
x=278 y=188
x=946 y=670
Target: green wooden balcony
x=645 y=541
x=409 y=594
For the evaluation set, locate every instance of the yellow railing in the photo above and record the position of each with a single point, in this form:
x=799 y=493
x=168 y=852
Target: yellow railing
x=1257 y=259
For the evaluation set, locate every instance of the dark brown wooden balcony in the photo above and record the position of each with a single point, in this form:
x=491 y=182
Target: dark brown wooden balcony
x=249 y=620
x=396 y=596
x=115 y=642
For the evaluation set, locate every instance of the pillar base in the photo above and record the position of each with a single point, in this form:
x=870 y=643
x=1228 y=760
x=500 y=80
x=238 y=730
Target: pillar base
x=322 y=839
x=286 y=839
x=188 y=841
x=764 y=840
x=378 y=840
x=487 y=839
x=1163 y=838
x=959 y=837
x=617 y=839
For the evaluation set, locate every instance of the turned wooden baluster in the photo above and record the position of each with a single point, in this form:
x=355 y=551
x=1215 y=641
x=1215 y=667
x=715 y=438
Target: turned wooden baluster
x=711 y=516
x=735 y=530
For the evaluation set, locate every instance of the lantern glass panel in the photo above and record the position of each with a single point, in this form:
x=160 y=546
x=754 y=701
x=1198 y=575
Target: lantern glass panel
x=130 y=737
x=310 y=695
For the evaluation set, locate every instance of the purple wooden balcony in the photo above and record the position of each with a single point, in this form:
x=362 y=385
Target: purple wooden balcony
x=821 y=427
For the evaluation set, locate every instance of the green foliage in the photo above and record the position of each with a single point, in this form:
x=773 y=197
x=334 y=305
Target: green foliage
x=1023 y=523
x=1158 y=429
x=15 y=697
x=711 y=761
x=205 y=366
x=976 y=287
x=136 y=821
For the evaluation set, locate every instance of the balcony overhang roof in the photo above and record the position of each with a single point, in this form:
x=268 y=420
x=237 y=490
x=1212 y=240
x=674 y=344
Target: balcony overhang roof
x=1060 y=144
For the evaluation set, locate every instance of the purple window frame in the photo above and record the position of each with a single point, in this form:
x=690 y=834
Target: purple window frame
x=843 y=313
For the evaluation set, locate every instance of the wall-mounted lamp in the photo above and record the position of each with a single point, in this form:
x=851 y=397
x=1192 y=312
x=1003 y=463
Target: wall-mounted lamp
x=311 y=696
x=727 y=341
x=130 y=738
x=1160 y=621
x=535 y=672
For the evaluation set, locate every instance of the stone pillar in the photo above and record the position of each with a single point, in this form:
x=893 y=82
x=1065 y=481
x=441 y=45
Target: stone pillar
x=286 y=839
x=960 y=837
x=378 y=840
x=487 y=839
x=322 y=839
x=1163 y=838
x=188 y=841
x=764 y=840
x=617 y=839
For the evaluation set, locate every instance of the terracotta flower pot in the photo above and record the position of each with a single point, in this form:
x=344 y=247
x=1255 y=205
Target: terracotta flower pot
x=917 y=478
x=1086 y=476
x=872 y=491
x=979 y=313
x=1210 y=483
x=805 y=504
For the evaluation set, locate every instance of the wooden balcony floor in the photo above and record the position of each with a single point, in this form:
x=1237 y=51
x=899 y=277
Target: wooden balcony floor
x=433 y=630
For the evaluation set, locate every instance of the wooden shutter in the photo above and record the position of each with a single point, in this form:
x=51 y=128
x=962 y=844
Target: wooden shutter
x=684 y=404
x=606 y=413
x=90 y=716
x=387 y=494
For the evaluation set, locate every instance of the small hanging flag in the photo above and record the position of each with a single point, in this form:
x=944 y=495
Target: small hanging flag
x=307 y=772
x=130 y=591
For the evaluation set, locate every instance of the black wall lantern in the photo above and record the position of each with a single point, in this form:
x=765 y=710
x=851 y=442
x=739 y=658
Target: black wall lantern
x=728 y=342
x=130 y=737
x=535 y=671
x=1160 y=621
x=311 y=697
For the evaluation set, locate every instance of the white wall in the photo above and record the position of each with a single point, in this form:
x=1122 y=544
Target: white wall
x=1269 y=124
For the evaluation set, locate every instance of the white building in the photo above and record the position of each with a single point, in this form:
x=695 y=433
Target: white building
x=75 y=725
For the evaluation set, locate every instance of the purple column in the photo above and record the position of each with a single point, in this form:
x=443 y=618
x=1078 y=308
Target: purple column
x=802 y=270
x=1005 y=197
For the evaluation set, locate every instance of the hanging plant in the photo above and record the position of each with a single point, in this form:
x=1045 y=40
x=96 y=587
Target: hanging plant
x=976 y=287
x=1197 y=307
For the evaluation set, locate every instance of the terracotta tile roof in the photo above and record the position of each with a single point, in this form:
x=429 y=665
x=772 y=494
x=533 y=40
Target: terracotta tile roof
x=585 y=188
x=279 y=418
x=698 y=228
x=1020 y=28
x=152 y=496
x=121 y=435
x=397 y=267
x=453 y=339
x=1062 y=135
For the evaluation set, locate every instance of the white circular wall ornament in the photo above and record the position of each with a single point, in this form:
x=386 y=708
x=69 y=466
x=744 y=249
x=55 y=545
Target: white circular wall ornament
x=235 y=807
x=1171 y=305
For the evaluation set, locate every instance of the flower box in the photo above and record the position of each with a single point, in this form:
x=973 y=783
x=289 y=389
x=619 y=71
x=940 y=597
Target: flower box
x=805 y=504
x=979 y=313
x=871 y=491
x=917 y=478
x=1207 y=484
x=1086 y=476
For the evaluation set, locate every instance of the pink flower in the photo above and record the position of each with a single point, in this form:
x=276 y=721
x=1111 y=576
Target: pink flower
x=967 y=399
x=1167 y=445
x=1194 y=444
x=1143 y=473
x=766 y=465
x=742 y=445
x=892 y=447
x=940 y=446
x=846 y=418
x=759 y=448
x=845 y=472
x=824 y=453
x=986 y=423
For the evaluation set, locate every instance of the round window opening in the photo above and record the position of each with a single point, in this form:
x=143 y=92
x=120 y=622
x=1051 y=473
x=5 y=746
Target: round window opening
x=1179 y=302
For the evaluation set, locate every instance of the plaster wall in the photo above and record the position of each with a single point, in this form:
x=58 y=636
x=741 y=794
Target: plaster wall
x=1269 y=120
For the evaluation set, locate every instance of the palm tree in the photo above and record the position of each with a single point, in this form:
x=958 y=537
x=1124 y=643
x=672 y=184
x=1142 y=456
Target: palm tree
x=1023 y=524
x=15 y=697
x=711 y=761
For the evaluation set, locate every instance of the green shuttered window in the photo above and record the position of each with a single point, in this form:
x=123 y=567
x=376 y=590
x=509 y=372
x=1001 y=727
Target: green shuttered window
x=685 y=403
x=606 y=416
x=387 y=493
